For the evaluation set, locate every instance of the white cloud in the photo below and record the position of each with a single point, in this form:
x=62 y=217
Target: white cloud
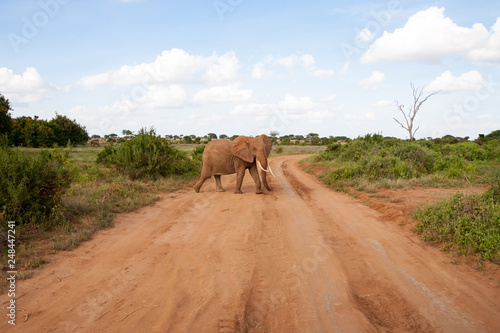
x=174 y=66
x=382 y=103
x=490 y=50
x=329 y=98
x=428 y=36
x=290 y=107
x=269 y=64
x=344 y=68
x=292 y=104
x=163 y=97
x=223 y=69
x=364 y=116
x=305 y=60
x=485 y=116
x=201 y=119
x=365 y=36
x=223 y=94
x=448 y=82
x=25 y=88
x=90 y=82
x=323 y=72
x=375 y=77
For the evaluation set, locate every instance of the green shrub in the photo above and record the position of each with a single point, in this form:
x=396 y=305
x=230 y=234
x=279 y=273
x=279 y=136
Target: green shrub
x=278 y=150
x=197 y=153
x=379 y=159
x=470 y=223
x=148 y=155
x=32 y=185
x=492 y=149
x=470 y=151
x=107 y=156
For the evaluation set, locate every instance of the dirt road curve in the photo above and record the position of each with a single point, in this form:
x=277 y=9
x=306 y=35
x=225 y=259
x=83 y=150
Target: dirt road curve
x=299 y=259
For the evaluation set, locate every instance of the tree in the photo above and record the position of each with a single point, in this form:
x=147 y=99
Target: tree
x=223 y=136
x=212 y=135
x=312 y=135
x=127 y=133
x=274 y=134
x=66 y=130
x=494 y=134
x=5 y=118
x=418 y=100
x=32 y=132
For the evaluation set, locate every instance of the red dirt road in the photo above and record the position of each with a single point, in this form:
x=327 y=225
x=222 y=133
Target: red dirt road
x=299 y=259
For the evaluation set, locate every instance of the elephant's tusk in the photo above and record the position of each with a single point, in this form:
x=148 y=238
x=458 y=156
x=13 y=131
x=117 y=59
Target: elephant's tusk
x=269 y=167
x=260 y=166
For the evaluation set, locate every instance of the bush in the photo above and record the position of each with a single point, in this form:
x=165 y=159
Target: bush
x=147 y=155
x=32 y=185
x=470 y=223
x=376 y=158
x=468 y=150
x=197 y=153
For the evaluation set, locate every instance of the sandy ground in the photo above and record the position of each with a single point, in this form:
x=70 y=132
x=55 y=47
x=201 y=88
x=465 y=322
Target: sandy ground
x=301 y=258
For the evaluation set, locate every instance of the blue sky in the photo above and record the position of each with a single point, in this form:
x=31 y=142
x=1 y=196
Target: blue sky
x=251 y=67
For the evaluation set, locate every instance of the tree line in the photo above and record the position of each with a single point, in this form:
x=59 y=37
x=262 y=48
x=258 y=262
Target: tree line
x=35 y=132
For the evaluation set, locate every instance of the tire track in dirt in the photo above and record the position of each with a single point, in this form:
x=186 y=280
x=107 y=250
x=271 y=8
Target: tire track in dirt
x=298 y=259
x=371 y=293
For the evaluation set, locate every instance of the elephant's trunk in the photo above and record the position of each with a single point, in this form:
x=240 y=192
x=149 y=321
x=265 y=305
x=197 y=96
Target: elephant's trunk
x=265 y=170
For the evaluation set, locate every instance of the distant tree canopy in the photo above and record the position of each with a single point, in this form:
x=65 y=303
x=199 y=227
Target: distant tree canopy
x=5 y=119
x=35 y=132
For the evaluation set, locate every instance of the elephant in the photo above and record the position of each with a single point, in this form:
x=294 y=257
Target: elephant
x=224 y=157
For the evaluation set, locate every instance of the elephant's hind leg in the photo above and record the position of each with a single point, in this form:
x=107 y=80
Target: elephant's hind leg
x=218 y=184
x=200 y=182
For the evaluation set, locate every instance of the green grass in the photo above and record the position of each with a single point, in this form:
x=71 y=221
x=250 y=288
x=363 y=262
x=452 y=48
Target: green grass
x=95 y=195
x=295 y=150
x=470 y=224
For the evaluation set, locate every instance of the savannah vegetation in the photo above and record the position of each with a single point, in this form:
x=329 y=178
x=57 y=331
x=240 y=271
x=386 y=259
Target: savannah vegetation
x=60 y=191
x=469 y=224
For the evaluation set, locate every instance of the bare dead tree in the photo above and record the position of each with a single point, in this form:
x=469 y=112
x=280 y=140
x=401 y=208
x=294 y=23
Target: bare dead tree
x=418 y=100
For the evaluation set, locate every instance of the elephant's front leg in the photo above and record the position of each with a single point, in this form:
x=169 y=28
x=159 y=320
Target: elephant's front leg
x=255 y=175
x=264 y=180
x=239 y=180
x=218 y=184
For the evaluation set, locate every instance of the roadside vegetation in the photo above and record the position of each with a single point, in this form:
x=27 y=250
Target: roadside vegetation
x=470 y=224
x=61 y=197
x=373 y=161
x=148 y=155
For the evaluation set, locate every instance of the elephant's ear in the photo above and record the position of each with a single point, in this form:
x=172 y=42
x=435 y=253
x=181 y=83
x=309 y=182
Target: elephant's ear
x=241 y=149
x=267 y=143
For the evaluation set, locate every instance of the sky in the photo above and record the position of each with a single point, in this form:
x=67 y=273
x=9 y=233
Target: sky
x=241 y=67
